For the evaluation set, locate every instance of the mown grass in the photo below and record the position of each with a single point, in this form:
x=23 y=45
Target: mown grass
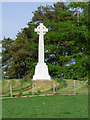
x=57 y=106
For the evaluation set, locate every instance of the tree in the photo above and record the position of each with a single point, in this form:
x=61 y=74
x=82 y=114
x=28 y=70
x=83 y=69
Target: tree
x=7 y=44
x=66 y=41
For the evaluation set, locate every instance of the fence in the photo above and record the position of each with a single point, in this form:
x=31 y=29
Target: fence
x=61 y=87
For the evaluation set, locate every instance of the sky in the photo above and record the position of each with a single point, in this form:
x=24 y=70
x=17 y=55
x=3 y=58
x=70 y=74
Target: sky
x=16 y=15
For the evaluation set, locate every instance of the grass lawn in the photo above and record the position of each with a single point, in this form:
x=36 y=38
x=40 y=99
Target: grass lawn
x=57 y=106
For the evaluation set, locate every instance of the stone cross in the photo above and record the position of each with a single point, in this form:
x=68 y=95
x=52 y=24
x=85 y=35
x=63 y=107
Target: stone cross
x=41 y=30
x=41 y=69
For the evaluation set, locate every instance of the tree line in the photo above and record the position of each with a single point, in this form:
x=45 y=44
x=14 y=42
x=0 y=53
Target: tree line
x=66 y=43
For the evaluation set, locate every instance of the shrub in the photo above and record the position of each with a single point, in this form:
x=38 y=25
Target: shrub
x=35 y=93
x=30 y=93
x=9 y=95
x=39 y=91
x=25 y=79
x=13 y=95
x=20 y=93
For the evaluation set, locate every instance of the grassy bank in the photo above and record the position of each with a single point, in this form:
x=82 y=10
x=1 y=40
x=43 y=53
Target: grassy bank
x=64 y=86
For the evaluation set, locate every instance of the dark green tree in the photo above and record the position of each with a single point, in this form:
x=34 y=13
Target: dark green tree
x=65 y=43
x=7 y=45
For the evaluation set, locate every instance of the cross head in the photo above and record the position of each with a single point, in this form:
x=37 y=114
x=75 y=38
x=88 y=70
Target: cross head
x=41 y=29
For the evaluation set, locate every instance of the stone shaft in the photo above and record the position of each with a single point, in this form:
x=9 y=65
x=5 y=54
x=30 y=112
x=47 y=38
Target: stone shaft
x=41 y=49
x=41 y=69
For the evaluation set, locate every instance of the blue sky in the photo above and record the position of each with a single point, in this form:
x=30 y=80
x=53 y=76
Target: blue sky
x=16 y=15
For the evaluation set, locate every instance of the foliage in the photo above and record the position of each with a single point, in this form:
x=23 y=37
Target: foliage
x=20 y=93
x=13 y=95
x=9 y=95
x=30 y=93
x=66 y=43
x=25 y=79
x=35 y=93
x=39 y=91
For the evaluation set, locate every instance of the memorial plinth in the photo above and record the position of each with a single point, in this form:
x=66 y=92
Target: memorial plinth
x=41 y=69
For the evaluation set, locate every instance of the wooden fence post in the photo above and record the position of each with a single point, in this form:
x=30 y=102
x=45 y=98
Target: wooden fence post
x=74 y=87
x=33 y=88
x=53 y=87
x=11 y=90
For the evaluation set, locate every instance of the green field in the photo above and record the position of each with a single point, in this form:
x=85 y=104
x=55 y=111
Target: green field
x=57 y=106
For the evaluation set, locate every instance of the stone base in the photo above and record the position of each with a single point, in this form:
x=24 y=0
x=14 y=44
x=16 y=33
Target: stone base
x=41 y=72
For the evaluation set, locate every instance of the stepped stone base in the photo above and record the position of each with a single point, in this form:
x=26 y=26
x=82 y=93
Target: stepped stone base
x=41 y=72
